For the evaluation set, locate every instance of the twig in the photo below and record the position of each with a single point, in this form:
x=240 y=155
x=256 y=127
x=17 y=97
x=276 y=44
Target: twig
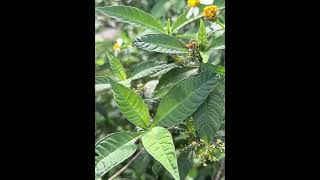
x=126 y=166
x=220 y=171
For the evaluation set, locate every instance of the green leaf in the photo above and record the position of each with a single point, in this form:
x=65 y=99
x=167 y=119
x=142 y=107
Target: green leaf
x=101 y=80
x=116 y=67
x=184 y=99
x=213 y=68
x=159 y=144
x=219 y=3
x=160 y=43
x=182 y=21
x=132 y=15
x=160 y=8
x=205 y=56
x=184 y=163
x=202 y=35
x=141 y=163
x=130 y=104
x=151 y=68
x=217 y=43
x=209 y=116
x=114 y=149
x=168 y=80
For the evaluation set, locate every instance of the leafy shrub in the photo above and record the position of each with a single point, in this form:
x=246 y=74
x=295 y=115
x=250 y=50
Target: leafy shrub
x=174 y=101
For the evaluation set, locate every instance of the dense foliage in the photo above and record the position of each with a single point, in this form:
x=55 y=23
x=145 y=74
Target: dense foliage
x=160 y=89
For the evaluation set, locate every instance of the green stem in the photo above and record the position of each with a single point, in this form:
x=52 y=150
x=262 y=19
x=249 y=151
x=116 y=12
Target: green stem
x=220 y=23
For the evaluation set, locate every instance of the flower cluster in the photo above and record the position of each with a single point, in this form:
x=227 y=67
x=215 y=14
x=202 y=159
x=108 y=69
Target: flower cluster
x=210 y=12
x=140 y=89
x=208 y=153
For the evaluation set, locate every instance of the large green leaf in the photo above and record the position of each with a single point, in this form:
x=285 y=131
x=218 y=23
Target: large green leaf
x=114 y=149
x=130 y=104
x=185 y=163
x=160 y=43
x=151 y=68
x=202 y=35
x=132 y=15
x=182 y=21
x=168 y=80
x=209 y=116
x=159 y=144
x=184 y=99
x=116 y=67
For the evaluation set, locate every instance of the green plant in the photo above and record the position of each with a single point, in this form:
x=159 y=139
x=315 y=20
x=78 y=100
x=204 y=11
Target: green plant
x=187 y=101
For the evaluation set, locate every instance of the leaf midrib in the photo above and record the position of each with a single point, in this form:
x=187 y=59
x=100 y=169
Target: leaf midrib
x=135 y=20
x=140 y=115
x=134 y=138
x=155 y=137
x=174 y=107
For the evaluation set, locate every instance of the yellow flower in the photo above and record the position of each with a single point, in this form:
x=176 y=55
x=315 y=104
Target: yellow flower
x=194 y=9
x=210 y=12
x=193 y=3
x=117 y=46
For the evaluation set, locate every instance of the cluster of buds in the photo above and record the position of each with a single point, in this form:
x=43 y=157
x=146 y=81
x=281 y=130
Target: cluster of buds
x=140 y=89
x=193 y=50
x=207 y=153
x=220 y=145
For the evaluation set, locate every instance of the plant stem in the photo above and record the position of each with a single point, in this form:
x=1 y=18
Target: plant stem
x=220 y=23
x=220 y=172
x=126 y=166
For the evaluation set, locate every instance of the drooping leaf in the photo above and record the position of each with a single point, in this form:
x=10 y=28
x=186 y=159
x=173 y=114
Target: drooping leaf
x=185 y=163
x=151 y=68
x=159 y=144
x=184 y=98
x=168 y=80
x=202 y=35
x=209 y=116
x=116 y=67
x=132 y=15
x=130 y=104
x=160 y=43
x=114 y=149
x=182 y=21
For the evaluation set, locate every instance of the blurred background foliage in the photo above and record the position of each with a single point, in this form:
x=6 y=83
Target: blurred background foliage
x=108 y=118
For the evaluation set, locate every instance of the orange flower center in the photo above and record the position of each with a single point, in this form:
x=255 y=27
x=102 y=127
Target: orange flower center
x=210 y=11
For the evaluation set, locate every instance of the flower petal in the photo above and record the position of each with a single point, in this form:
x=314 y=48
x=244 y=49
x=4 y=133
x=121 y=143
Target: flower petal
x=119 y=41
x=206 y=2
x=196 y=11
x=189 y=13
